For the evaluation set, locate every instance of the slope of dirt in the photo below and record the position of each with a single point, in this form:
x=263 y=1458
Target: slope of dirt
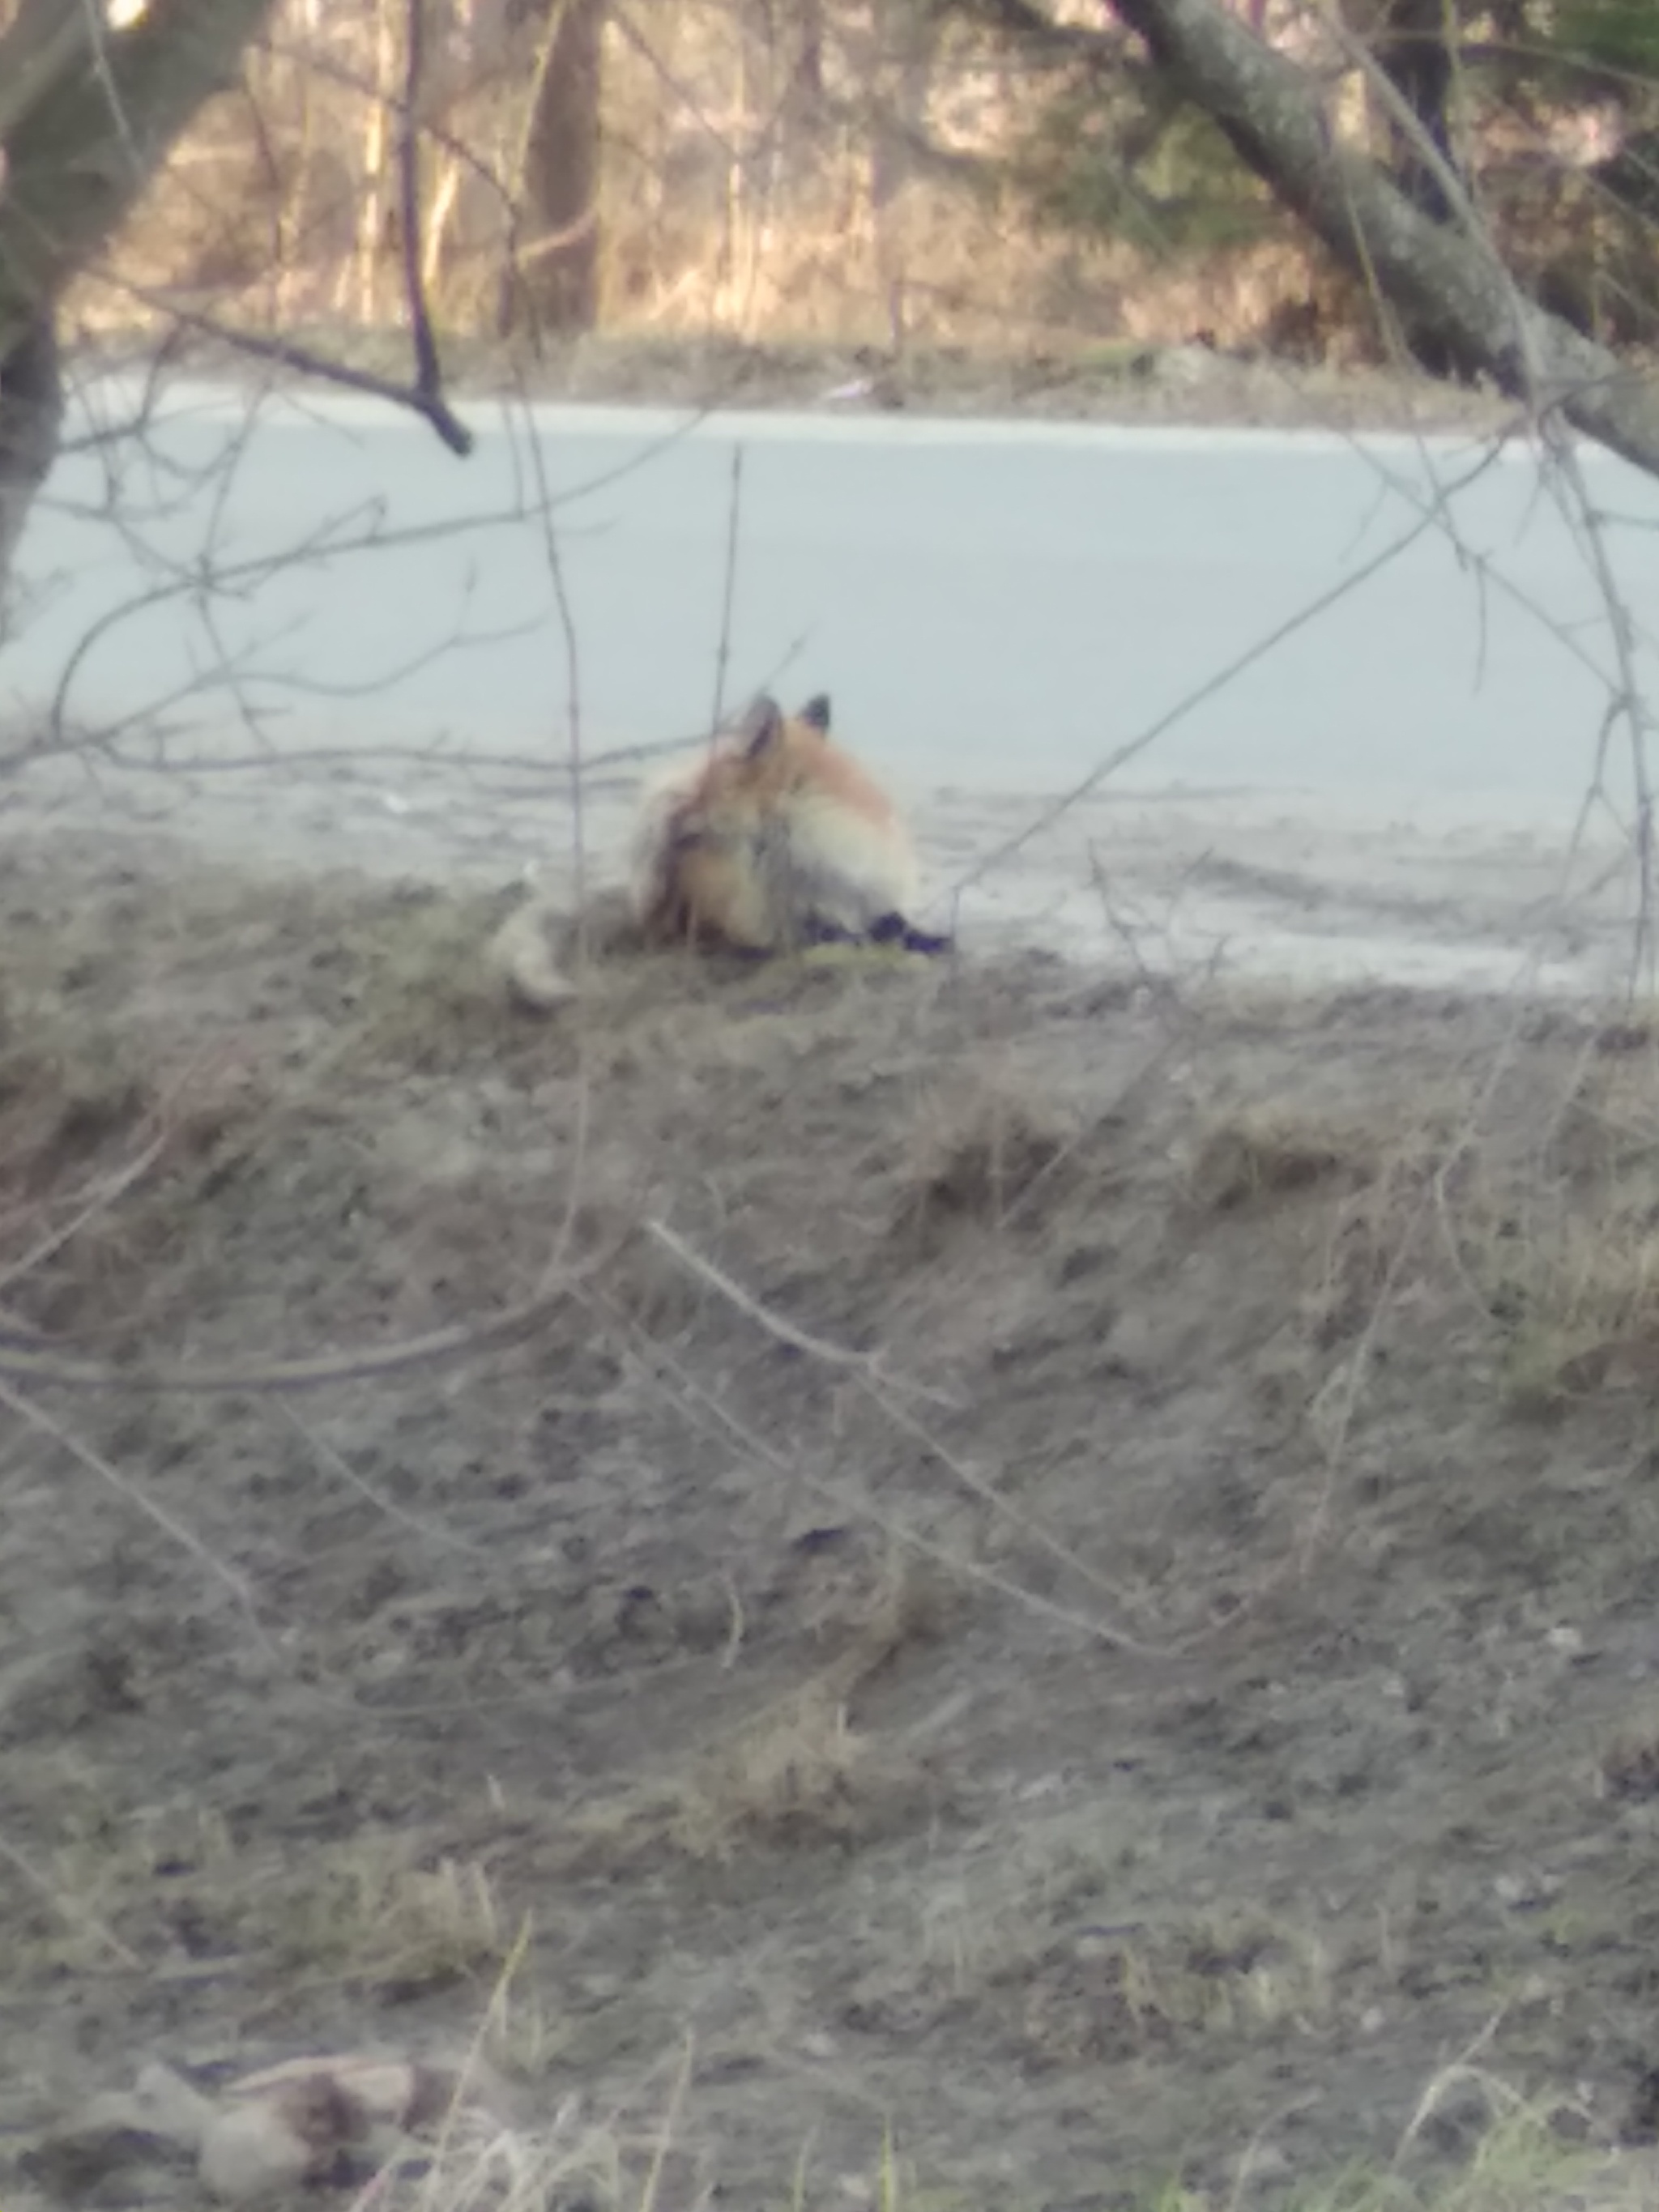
x=1063 y=1576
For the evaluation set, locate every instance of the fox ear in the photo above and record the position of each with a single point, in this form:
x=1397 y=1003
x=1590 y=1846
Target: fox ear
x=760 y=725
x=815 y=713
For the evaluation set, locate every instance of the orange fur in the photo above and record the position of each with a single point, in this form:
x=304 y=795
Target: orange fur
x=773 y=837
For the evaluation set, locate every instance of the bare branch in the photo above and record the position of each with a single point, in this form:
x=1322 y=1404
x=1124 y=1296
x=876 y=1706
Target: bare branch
x=424 y=398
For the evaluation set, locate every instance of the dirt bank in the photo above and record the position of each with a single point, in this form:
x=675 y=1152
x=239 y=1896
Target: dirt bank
x=1064 y=1574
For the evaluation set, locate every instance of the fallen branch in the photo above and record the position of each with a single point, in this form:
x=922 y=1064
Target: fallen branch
x=1440 y=277
x=314 y=1373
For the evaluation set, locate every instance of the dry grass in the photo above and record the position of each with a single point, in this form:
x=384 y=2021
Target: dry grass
x=1273 y=1152
x=364 y=1914
x=1566 y=1253
x=1528 y=2156
x=1111 y=1996
x=416 y=986
x=1523 y=2156
x=477 y=2167
x=797 y=1774
x=979 y=1152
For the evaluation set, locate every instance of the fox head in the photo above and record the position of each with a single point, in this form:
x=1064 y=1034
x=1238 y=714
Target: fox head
x=768 y=742
x=775 y=835
x=779 y=762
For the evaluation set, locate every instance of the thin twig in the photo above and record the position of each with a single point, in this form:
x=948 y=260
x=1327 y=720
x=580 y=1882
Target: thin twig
x=866 y=1364
x=1056 y=809
x=76 y=1915
x=729 y=587
x=124 y=1486
x=878 y=1386
x=338 y=1465
x=692 y=1398
x=102 y=1197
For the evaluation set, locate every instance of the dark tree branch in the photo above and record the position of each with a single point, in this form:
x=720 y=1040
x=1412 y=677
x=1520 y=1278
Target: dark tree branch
x=427 y=397
x=319 y=368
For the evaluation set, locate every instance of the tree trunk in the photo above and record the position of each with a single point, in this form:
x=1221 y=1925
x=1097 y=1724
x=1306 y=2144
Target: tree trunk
x=905 y=37
x=31 y=419
x=809 y=67
x=87 y=115
x=1447 y=279
x=1412 y=53
x=555 y=282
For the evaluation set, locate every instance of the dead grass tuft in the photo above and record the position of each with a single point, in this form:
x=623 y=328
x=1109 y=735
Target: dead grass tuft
x=797 y=1774
x=979 y=1158
x=1383 y=1228
x=363 y=1914
x=1269 y=1153
x=1111 y=1995
x=1568 y=1256
x=420 y=995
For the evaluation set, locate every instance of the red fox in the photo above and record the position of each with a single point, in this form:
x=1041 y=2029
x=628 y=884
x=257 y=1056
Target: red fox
x=775 y=839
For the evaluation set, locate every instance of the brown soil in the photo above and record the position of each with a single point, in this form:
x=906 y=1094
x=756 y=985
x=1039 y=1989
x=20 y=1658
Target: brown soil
x=1071 y=1581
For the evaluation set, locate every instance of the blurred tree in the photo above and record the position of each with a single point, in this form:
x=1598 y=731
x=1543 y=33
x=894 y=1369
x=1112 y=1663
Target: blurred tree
x=553 y=285
x=1408 y=225
x=87 y=113
x=1414 y=42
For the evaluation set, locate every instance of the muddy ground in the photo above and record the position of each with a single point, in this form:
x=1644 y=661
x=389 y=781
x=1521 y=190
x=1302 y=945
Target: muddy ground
x=1062 y=1579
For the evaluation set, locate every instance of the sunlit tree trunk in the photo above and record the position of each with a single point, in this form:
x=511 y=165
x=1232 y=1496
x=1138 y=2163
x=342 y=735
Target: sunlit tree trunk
x=905 y=34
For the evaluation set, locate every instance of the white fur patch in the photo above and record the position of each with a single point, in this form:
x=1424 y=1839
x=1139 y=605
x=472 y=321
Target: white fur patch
x=521 y=954
x=845 y=869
